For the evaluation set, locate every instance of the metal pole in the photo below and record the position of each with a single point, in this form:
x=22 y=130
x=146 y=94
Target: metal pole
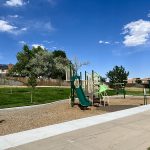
x=81 y=78
x=145 y=96
x=85 y=82
x=93 y=85
x=72 y=88
x=124 y=92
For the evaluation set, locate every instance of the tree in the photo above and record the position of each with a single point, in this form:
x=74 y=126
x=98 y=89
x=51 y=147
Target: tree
x=102 y=79
x=77 y=64
x=117 y=75
x=61 y=62
x=138 y=81
x=33 y=83
x=40 y=63
x=59 y=53
x=22 y=68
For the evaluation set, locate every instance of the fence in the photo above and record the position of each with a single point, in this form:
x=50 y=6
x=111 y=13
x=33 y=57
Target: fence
x=20 y=81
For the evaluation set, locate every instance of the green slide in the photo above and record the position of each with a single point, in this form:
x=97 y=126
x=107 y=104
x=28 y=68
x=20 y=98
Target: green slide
x=82 y=98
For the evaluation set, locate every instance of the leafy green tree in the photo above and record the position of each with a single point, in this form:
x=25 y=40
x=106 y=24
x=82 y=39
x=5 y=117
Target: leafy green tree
x=42 y=64
x=117 y=75
x=61 y=61
x=22 y=68
x=59 y=53
x=59 y=71
x=102 y=79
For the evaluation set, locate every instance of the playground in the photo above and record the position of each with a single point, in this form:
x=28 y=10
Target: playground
x=24 y=118
x=56 y=110
x=84 y=98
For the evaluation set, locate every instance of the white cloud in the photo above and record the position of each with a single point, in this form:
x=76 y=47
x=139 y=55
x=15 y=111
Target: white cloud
x=15 y=3
x=104 y=42
x=13 y=16
x=107 y=42
x=36 y=45
x=22 y=42
x=100 y=42
x=23 y=29
x=117 y=42
x=136 y=33
x=6 y=27
x=54 y=47
x=46 y=26
x=148 y=15
x=49 y=42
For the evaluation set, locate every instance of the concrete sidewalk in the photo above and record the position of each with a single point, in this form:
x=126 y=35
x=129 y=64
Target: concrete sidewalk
x=129 y=133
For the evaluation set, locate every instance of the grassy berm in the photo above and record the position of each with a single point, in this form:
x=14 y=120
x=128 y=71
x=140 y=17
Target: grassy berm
x=14 y=97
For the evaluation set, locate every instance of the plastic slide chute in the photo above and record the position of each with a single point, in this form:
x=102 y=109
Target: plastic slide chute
x=84 y=101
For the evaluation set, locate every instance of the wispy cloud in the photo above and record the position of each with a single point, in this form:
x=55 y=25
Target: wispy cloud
x=6 y=27
x=54 y=47
x=49 y=42
x=13 y=16
x=109 y=42
x=136 y=33
x=24 y=29
x=148 y=15
x=44 y=26
x=103 y=42
x=15 y=3
x=22 y=42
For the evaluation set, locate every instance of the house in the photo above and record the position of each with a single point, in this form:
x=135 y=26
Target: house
x=145 y=80
x=4 y=68
x=132 y=80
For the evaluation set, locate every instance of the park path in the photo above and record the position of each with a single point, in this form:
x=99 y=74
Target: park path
x=130 y=133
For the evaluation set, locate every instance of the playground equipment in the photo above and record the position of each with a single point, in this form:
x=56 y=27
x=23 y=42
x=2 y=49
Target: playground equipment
x=91 y=88
x=76 y=86
x=96 y=90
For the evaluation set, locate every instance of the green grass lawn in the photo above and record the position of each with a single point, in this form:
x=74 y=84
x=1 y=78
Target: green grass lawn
x=21 y=96
x=129 y=92
x=14 y=97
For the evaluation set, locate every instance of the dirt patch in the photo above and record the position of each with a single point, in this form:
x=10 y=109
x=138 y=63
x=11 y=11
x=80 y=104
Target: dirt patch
x=17 y=120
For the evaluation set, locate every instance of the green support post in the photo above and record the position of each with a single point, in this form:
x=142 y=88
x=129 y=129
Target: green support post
x=81 y=78
x=87 y=84
x=72 y=88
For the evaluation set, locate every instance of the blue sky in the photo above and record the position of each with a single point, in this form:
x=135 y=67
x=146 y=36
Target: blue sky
x=104 y=32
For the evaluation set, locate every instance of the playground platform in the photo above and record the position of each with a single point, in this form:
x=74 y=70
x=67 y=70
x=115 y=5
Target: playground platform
x=126 y=130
